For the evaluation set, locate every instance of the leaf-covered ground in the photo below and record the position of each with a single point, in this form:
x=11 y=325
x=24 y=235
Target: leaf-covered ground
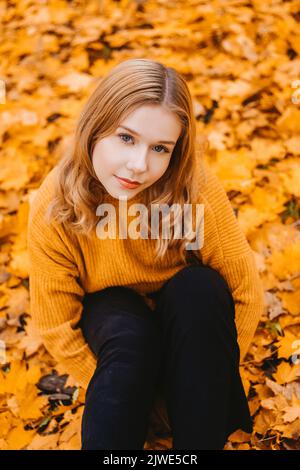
x=241 y=61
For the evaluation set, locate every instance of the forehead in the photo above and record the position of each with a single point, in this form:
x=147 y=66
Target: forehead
x=152 y=123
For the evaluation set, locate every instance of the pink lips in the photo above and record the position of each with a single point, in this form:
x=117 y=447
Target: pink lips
x=127 y=183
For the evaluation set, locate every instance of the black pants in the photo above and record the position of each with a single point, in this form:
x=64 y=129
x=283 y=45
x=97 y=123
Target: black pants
x=187 y=348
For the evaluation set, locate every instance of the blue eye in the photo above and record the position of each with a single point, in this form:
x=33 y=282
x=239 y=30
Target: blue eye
x=124 y=135
x=130 y=137
x=164 y=148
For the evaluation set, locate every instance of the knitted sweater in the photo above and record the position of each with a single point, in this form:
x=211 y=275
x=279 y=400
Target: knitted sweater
x=63 y=267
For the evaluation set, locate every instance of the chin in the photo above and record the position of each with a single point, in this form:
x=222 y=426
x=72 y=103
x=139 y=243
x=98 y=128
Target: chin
x=122 y=195
x=127 y=195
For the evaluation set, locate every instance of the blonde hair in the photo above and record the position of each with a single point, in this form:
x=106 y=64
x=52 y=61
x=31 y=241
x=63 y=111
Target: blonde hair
x=129 y=85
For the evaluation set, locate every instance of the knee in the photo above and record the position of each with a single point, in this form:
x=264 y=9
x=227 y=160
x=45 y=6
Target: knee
x=127 y=337
x=117 y=322
x=191 y=280
x=198 y=288
x=117 y=295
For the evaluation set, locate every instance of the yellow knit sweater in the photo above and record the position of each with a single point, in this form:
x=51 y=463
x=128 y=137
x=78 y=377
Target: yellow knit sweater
x=63 y=267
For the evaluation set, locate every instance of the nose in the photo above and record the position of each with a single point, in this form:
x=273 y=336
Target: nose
x=138 y=161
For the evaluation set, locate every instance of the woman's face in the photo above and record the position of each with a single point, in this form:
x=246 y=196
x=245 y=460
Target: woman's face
x=140 y=154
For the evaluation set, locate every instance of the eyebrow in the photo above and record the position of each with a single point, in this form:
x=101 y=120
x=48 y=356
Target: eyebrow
x=136 y=133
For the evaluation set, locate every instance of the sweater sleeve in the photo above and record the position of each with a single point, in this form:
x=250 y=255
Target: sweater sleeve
x=56 y=298
x=226 y=249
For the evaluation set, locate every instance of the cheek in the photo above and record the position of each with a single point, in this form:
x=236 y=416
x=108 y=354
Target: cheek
x=103 y=157
x=159 y=168
x=97 y=153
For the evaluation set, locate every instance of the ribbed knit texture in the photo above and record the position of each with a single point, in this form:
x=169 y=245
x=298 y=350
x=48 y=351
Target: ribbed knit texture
x=65 y=266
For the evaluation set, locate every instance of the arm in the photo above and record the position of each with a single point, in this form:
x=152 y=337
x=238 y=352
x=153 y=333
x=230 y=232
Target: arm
x=227 y=250
x=56 y=298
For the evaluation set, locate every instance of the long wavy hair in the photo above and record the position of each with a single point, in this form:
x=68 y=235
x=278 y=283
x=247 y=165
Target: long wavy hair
x=127 y=86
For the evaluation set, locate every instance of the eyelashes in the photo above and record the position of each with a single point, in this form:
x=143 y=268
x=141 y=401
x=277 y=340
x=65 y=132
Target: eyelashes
x=128 y=135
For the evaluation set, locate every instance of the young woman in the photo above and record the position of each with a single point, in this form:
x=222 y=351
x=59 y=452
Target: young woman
x=131 y=317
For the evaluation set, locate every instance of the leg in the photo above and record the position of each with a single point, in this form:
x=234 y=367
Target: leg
x=203 y=389
x=121 y=331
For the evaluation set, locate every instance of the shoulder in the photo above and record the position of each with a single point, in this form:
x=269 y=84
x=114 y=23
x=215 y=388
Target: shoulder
x=209 y=178
x=37 y=225
x=43 y=236
x=209 y=187
x=221 y=221
x=42 y=196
